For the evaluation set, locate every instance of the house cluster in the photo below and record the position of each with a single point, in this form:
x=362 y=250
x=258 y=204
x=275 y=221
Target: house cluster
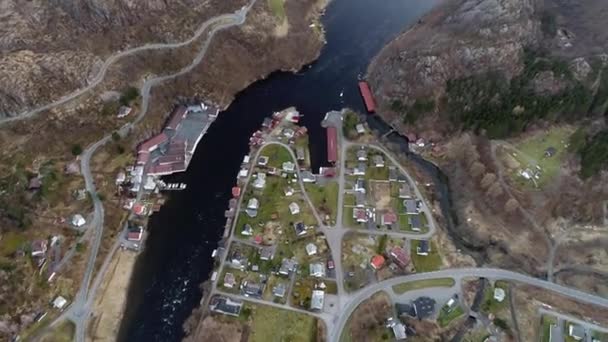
x=270 y=123
x=247 y=272
x=574 y=331
x=363 y=213
x=396 y=258
x=420 y=308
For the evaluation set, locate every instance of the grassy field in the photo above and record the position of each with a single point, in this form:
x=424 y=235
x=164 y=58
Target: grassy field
x=546 y=322
x=446 y=317
x=325 y=198
x=273 y=203
x=428 y=263
x=376 y=173
x=272 y=324
x=422 y=284
x=276 y=154
x=62 y=333
x=278 y=8
x=491 y=305
x=532 y=152
x=10 y=243
x=348 y=219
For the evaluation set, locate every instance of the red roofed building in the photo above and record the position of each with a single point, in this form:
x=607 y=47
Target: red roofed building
x=143 y=157
x=328 y=171
x=332 y=144
x=236 y=191
x=377 y=262
x=258 y=239
x=139 y=209
x=135 y=234
x=367 y=96
x=176 y=117
x=153 y=143
x=171 y=159
x=399 y=256
x=167 y=169
x=389 y=218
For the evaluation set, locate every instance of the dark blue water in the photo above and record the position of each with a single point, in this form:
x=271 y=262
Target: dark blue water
x=183 y=234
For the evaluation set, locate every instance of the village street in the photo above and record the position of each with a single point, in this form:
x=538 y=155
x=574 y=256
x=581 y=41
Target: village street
x=336 y=318
x=80 y=309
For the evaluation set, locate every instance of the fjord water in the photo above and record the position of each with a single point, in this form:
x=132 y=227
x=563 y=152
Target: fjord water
x=177 y=258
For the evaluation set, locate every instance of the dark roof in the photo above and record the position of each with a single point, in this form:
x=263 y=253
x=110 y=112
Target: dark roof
x=423 y=245
x=222 y=305
x=424 y=307
x=405 y=309
x=415 y=221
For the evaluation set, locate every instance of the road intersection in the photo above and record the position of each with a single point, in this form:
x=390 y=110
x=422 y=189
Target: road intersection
x=336 y=320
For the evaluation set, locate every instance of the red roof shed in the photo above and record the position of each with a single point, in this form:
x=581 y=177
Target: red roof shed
x=332 y=144
x=152 y=143
x=370 y=104
x=176 y=117
x=236 y=191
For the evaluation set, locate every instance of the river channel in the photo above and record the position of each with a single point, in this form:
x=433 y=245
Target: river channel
x=177 y=258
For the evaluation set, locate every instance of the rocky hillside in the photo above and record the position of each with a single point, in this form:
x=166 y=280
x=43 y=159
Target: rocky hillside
x=477 y=77
x=552 y=45
x=49 y=48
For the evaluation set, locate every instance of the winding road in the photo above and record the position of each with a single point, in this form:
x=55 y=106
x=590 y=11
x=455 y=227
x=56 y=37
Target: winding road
x=122 y=54
x=80 y=308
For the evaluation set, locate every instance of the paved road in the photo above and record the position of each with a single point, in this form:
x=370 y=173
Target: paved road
x=80 y=309
x=458 y=274
x=115 y=58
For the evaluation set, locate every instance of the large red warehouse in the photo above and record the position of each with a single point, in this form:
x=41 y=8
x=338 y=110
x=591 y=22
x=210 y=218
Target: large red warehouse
x=367 y=96
x=332 y=144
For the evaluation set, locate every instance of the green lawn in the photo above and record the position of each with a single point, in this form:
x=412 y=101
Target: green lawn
x=325 y=198
x=10 y=243
x=272 y=201
x=534 y=148
x=278 y=8
x=376 y=173
x=349 y=199
x=491 y=305
x=421 y=284
x=348 y=219
x=276 y=154
x=446 y=317
x=428 y=263
x=546 y=322
x=600 y=336
x=272 y=324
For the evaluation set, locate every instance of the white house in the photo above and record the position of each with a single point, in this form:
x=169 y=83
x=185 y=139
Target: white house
x=289 y=166
x=78 y=220
x=294 y=208
x=59 y=302
x=499 y=294
x=316 y=302
x=311 y=249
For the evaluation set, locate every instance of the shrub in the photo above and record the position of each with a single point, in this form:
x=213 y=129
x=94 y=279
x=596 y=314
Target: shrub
x=76 y=149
